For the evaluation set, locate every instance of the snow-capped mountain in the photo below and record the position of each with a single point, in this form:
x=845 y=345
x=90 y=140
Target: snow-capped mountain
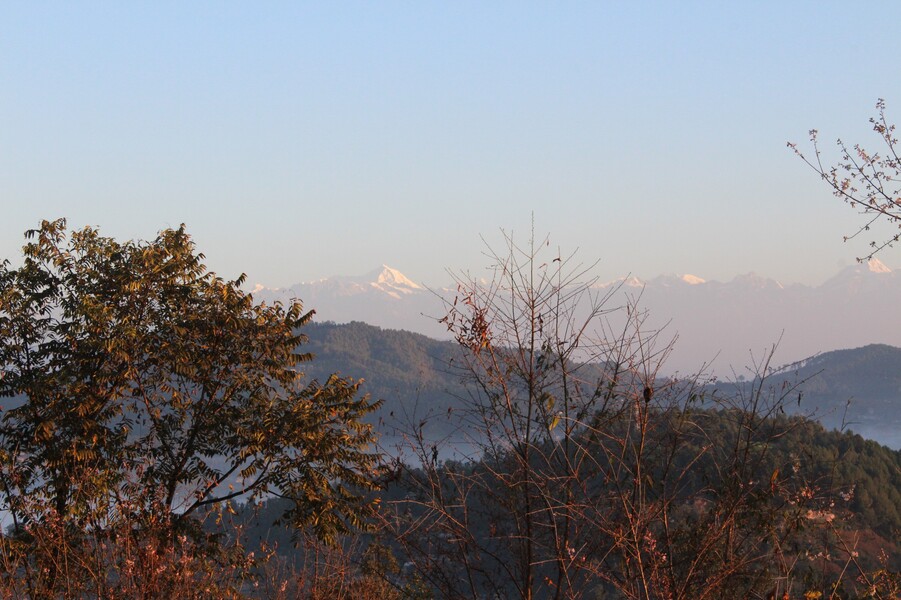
x=726 y=324
x=861 y=275
x=387 y=280
x=383 y=297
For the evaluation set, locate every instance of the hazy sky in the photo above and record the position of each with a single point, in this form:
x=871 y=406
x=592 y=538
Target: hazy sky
x=301 y=140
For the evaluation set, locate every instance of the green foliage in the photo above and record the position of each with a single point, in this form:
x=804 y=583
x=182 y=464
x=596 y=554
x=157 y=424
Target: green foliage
x=140 y=381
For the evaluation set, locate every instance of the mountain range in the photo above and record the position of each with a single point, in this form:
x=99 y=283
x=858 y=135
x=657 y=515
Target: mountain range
x=727 y=326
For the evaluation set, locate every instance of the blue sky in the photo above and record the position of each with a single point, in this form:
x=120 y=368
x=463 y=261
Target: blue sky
x=301 y=140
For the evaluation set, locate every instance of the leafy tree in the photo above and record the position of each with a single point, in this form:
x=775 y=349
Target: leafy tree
x=141 y=384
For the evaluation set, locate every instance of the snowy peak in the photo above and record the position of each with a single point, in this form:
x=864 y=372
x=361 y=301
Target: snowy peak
x=871 y=271
x=660 y=281
x=677 y=280
x=692 y=279
x=874 y=265
x=385 y=282
x=393 y=278
x=392 y=282
x=629 y=282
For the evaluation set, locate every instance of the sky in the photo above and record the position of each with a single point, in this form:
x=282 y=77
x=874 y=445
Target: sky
x=303 y=140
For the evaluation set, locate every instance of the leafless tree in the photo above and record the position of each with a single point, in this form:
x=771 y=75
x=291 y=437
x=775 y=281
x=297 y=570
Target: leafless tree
x=587 y=478
x=868 y=181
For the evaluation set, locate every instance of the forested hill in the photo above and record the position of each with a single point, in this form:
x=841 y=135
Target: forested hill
x=421 y=380
x=868 y=381
x=858 y=389
x=419 y=377
x=852 y=483
x=416 y=376
x=872 y=372
x=856 y=481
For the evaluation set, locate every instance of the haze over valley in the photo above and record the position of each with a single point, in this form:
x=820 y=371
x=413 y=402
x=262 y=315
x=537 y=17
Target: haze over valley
x=836 y=336
x=724 y=325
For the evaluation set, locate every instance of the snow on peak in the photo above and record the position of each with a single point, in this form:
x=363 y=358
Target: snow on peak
x=394 y=278
x=390 y=281
x=692 y=279
x=630 y=281
x=874 y=265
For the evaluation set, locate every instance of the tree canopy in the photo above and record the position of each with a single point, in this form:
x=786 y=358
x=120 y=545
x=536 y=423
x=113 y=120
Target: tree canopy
x=139 y=382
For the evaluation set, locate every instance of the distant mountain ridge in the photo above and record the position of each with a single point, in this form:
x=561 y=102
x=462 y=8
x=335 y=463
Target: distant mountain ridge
x=726 y=325
x=421 y=378
x=858 y=388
